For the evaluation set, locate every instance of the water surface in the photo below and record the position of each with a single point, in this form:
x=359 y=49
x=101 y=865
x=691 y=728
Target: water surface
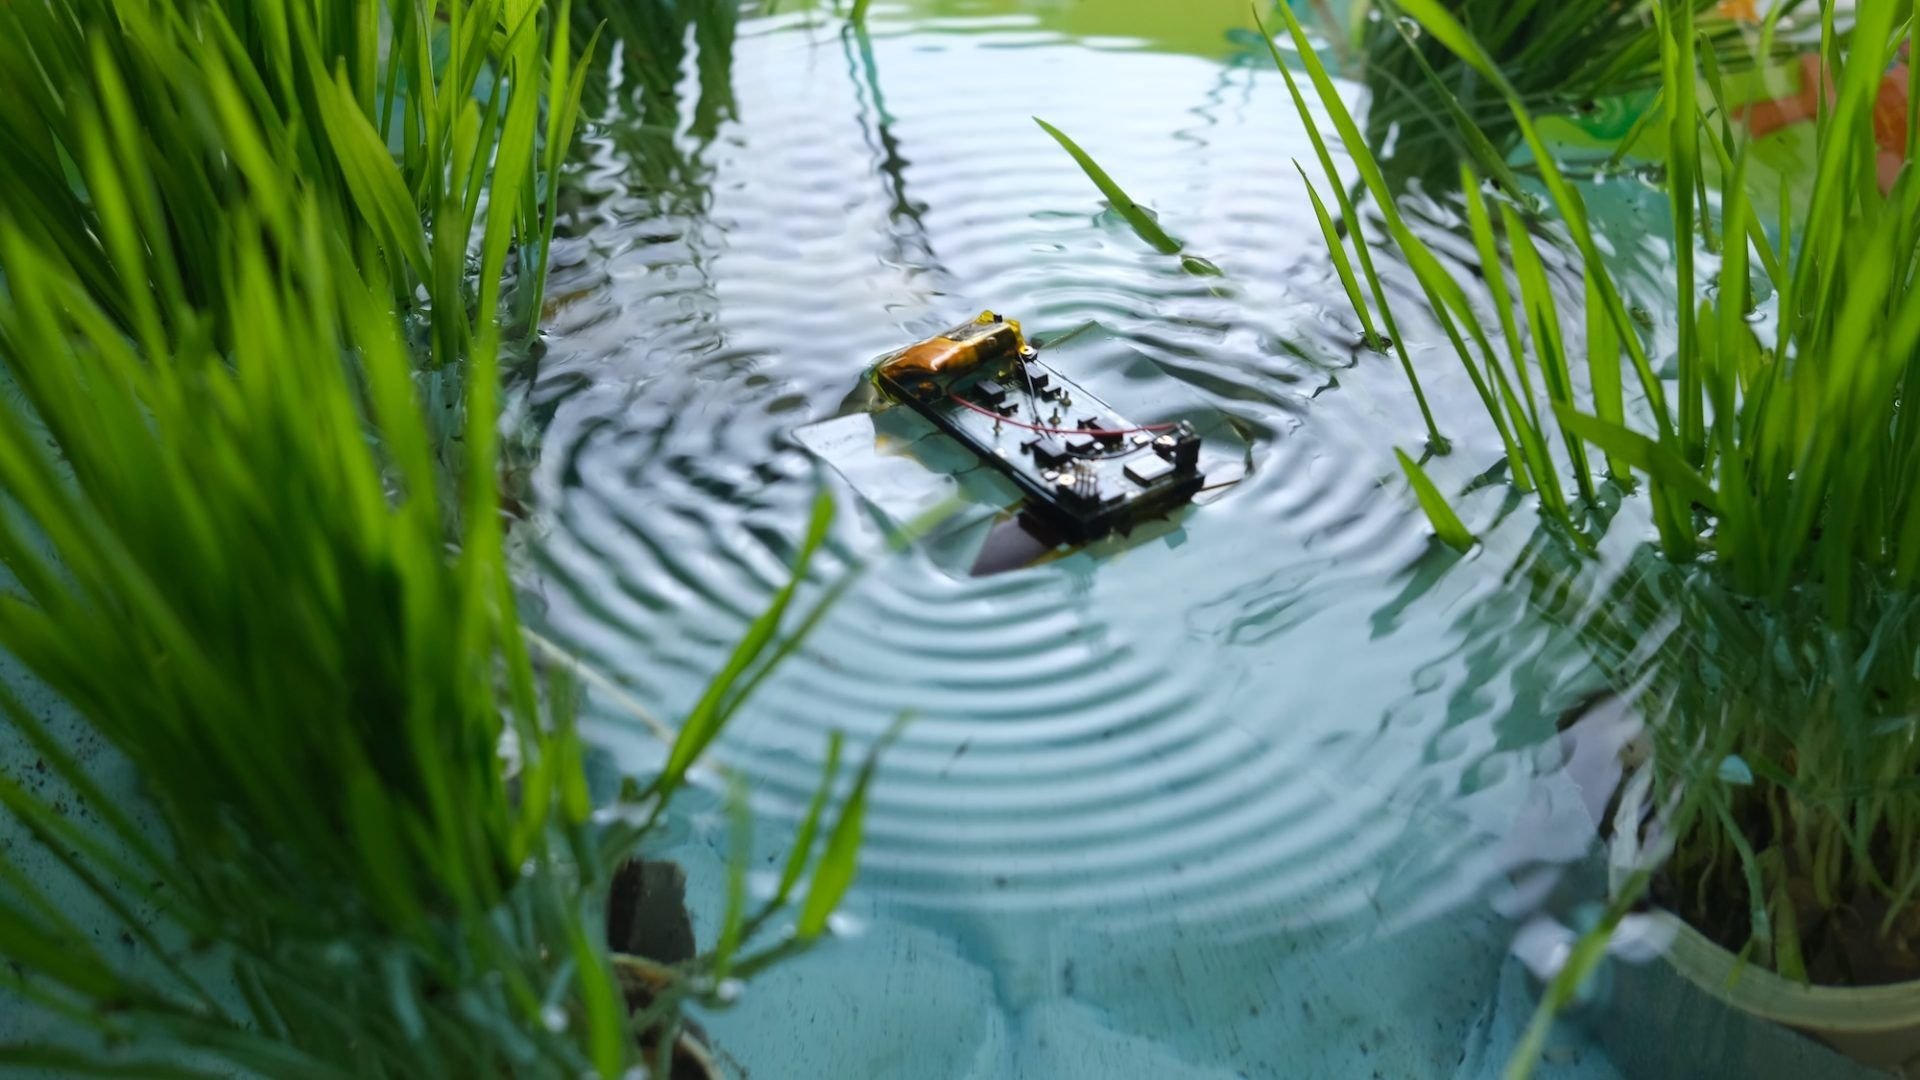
x=1263 y=795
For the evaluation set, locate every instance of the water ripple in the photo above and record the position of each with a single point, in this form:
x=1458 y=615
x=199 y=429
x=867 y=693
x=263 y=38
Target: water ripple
x=1220 y=716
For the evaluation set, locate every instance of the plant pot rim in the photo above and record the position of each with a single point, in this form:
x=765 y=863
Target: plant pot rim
x=1753 y=989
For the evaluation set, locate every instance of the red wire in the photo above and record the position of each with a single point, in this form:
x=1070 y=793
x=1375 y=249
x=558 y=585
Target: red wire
x=1096 y=432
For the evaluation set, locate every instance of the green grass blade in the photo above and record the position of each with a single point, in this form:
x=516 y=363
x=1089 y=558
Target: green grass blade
x=704 y=721
x=606 y=1018
x=1543 y=320
x=1603 y=371
x=803 y=838
x=839 y=863
x=1370 y=173
x=371 y=175
x=733 y=918
x=1448 y=31
x=1468 y=130
x=1144 y=226
x=1341 y=264
x=1446 y=524
x=1659 y=460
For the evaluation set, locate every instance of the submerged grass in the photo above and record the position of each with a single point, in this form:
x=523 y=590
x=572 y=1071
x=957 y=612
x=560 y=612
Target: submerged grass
x=364 y=844
x=1782 y=462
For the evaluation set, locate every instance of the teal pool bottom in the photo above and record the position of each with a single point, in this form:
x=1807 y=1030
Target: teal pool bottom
x=908 y=995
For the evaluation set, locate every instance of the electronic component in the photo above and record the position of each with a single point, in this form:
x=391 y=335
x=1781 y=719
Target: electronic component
x=1183 y=449
x=1046 y=450
x=1148 y=471
x=930 y=368
x=1104 y=474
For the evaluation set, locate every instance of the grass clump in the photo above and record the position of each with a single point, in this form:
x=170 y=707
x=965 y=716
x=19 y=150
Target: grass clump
x=213 y=573
x=256 y=607
x=1772 y=622
x=364 y=843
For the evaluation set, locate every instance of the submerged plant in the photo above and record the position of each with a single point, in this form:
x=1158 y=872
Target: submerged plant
x=1774 y=630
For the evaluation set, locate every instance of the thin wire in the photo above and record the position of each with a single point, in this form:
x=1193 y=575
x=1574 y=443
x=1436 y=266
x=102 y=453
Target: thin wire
x=1033 y=403
x=1044 y=430
x=1033 y=392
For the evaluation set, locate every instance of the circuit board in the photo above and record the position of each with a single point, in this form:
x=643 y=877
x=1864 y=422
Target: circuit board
x=1086 y=471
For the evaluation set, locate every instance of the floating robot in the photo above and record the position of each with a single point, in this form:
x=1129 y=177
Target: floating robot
x=1079 y=470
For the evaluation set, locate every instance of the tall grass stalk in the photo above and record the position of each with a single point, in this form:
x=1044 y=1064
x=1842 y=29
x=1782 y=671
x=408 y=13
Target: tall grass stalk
x=1782 y=463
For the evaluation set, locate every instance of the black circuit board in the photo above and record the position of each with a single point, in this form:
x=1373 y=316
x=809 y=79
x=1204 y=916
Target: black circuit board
x=1088 y=472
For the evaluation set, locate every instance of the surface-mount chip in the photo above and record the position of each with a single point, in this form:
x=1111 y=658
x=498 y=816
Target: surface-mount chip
x=1149 y=470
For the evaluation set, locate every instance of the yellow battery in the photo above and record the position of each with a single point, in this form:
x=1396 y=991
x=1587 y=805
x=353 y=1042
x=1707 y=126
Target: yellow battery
x=931 y=365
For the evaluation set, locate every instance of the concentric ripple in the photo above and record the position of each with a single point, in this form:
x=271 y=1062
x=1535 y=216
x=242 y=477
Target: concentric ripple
x=1276 y=711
